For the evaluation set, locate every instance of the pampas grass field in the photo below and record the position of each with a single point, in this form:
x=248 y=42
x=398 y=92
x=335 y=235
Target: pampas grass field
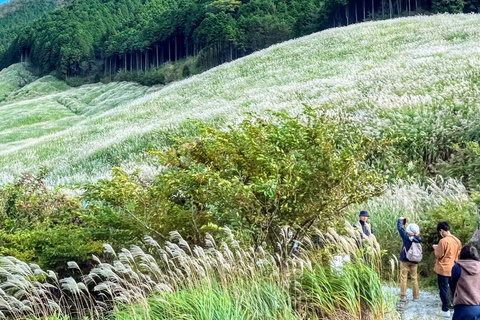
x=398 y=76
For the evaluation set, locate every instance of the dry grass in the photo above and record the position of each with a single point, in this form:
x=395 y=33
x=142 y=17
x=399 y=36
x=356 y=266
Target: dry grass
x=305 y=285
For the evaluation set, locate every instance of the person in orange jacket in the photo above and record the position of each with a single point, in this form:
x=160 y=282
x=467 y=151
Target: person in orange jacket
x=446 y=252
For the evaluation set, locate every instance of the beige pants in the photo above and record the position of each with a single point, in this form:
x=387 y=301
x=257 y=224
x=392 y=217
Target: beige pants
x=405 y=269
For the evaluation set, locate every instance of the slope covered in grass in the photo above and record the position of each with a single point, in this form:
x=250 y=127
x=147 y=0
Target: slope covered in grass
x=410 y=75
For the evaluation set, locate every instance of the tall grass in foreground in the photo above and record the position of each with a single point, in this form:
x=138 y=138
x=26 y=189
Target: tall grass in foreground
x=244 y=299
x=217 y=281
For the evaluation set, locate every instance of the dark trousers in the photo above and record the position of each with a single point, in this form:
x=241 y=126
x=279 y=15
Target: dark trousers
x=466 y=313
x=443 y=287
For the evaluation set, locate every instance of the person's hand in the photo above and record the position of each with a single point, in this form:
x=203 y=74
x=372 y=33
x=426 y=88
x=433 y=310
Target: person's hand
x=363 y=239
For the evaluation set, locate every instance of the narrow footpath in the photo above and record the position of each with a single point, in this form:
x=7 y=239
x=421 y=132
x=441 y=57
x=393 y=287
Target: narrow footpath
x=427 y=307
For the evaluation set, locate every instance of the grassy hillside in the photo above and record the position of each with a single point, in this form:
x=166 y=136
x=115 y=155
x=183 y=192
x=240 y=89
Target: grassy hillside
x=385 y=74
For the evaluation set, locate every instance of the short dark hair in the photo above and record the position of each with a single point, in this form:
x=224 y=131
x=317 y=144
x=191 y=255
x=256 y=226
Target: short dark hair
x=469 y=253
x=443 y=225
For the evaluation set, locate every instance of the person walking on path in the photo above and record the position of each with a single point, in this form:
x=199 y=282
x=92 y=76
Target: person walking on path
x=465 y=285
x=409 y=236
x=446 y=252
x=366 y=227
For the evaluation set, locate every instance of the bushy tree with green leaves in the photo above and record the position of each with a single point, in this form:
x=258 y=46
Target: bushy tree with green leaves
x=255 y=177
x=264 y=174
x=43 y=226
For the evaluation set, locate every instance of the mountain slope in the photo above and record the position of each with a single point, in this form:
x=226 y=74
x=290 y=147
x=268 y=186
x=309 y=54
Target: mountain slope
x=387 y=75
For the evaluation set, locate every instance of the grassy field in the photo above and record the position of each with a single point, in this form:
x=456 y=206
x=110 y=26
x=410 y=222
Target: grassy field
x=387 y=75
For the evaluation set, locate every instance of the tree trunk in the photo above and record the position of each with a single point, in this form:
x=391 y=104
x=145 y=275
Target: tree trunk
x=356 y=13
x=346 y=13
x=146 y=61
x=364 y=12
x=156 y=48
x=136 y=62
x=390 y=7
x=169 y=50
x=162 y=60
x=176 y=49
x=373 y=10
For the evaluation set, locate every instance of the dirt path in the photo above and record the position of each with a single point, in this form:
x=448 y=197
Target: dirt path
x=427 y=307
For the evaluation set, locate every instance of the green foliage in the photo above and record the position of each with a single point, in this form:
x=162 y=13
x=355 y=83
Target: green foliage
x=43 y=226
x=243 y=300
x=428 y=141
x=286 y=171
x=133 y=35
x=29 y=204
x=224 y=281
x=464 y=163
x=356 y=289
x=56 y=246
x=450 y=6
x=167 y=73
x=18 y=14
x=257 y=177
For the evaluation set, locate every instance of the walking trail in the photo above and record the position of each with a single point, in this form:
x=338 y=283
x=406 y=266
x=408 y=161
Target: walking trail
x=427 y=307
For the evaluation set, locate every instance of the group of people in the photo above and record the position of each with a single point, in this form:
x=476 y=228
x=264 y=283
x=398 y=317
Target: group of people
x=457 y=268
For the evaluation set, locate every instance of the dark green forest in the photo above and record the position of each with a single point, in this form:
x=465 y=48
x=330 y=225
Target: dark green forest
x=104 y=37
x=18 y=14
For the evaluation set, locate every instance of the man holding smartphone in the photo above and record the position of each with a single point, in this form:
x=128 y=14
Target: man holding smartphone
x=446 y=252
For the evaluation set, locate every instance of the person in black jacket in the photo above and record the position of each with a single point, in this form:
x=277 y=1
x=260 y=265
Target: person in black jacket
x=366 y=228
x=409 y=235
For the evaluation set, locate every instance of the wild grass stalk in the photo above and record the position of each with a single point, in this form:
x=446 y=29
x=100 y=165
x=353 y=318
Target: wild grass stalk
x=218 y=281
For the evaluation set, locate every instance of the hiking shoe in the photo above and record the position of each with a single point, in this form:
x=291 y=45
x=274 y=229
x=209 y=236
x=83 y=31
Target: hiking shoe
x=446 y=314
x=401 y=305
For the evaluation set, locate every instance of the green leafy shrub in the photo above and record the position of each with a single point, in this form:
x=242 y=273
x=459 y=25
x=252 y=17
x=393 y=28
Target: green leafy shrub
x=296 y=171
x=167 y=73
x=255 y=177
x=42 y=225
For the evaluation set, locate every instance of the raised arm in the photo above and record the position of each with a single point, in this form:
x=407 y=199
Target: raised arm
x=401 y=230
